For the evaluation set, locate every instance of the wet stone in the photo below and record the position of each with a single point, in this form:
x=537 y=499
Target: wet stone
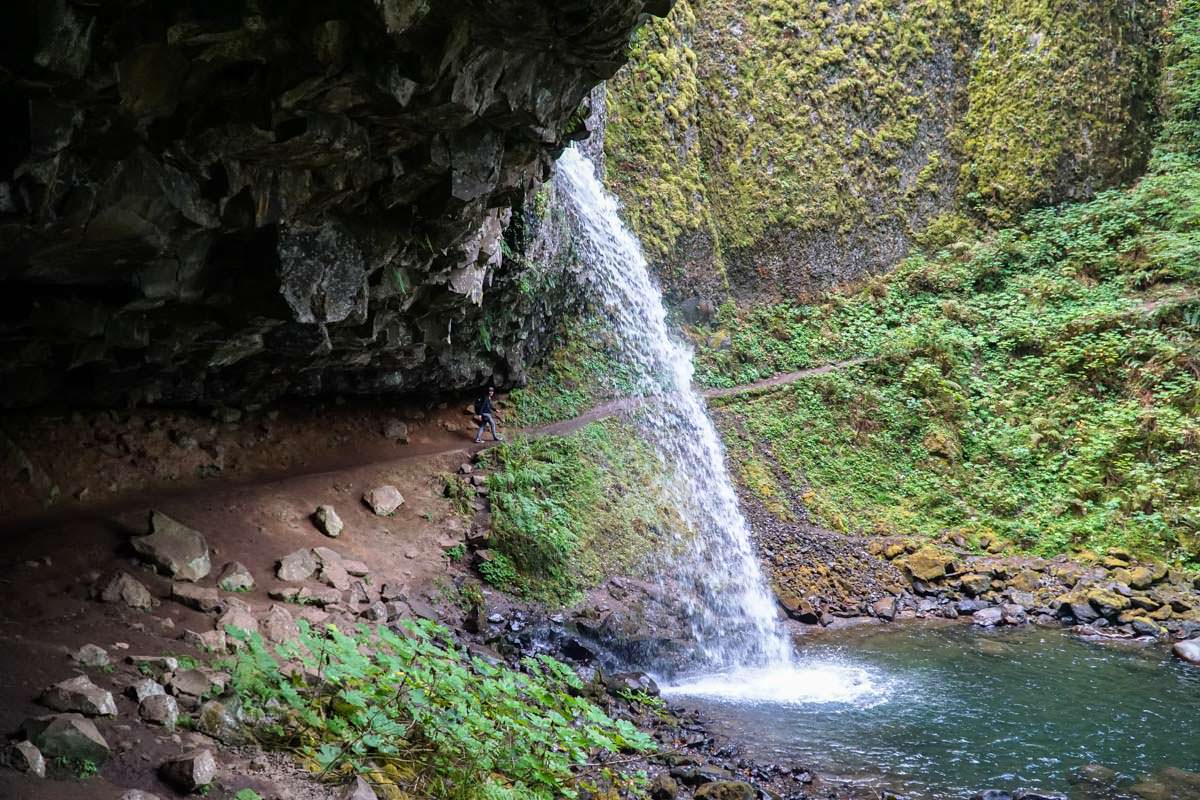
x=80 y=695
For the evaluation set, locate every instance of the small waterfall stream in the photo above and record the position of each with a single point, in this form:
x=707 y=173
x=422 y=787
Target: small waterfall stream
x=735 y=621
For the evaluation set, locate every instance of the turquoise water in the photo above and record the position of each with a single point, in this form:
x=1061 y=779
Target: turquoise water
x=941 y=711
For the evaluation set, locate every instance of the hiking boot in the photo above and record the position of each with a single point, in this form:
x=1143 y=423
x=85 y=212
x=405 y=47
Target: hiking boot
x=479 y=441
x=498 y=439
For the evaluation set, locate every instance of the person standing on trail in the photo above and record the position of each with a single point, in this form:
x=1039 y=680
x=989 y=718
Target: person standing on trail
x=485 y=411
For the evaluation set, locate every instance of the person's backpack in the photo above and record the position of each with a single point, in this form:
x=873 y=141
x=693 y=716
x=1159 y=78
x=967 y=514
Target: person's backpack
x=479 y=406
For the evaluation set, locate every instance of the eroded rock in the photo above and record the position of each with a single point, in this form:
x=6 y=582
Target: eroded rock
x=328 y=522
x=159 y=709
x=123 y=588
x=297 y=566
x=70 y=736
x=80 y=695
x=24 y=757
x=235 y=577
x=189 y=772
x=384 y=500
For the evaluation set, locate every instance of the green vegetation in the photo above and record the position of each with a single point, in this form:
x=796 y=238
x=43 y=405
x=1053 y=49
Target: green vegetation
x=417 y=716
x=579 y=374
x=569 y=510
x=1041 y=383
x=737 y=122
x=82 y=768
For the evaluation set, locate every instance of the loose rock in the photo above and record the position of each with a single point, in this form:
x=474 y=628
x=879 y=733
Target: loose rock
x=123 y=588
x=384 y=500
x=159 y=709
x=235 y=577
x=144 y=688
x=359 y=790
x=80 y=695
x=237 y=615
x=297 y=566
x=174 y=548
x=25 y=757
x=91 y=655
x=213 y=641
x=726 y=790
x=1188 y=651
x=66 y=736
x=987 y=617
x=189 y=772
x=201 y=598
x=278 y=626
x=328 y=522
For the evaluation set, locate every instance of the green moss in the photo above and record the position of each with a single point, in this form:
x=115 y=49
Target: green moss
x=568 y=511
x=734 y=120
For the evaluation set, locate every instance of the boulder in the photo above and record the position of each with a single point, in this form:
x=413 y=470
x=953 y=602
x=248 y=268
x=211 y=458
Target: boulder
x=397 y=430
x=174 y=548
x=235 y=577
x=975 y=584
x=359 y=790
x=1013 y=614
x=80 y=695
x=219 y=720
x=335 y=575
x=928 y=564
x=91 y=655
x=356 y=568
x=1188 y=651
x=726 y=790
x=138 y=794
x=24 y=757
x=201 y=598
x=66 y=736
x=384 y=500
x=798 y=608
x=328 y=522
x=278 y=626
x=663 y=787
x=123 y=588
x=199 y=682
x=189 y=772
x=631 y=681
x=884 y=608
x=1107 y=603
x=155 y=665
x=297 y=566
x=146 y=687
x=159 y=709
x=237 y=615
x=988 y=617
x=213 y=641
x=321 y=597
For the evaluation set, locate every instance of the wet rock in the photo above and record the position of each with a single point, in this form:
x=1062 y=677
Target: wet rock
x=376 y=612
x=328 y=522
x=992 y=794
x=987 y=617
x=884 y=608
x=24 y=757
x=235 y=577
x=91 y=655
x=80 y=695
x=799 y=608
x=726 y=790
x=384 y=500
x=631 y=681
x=189 y=772
x=278 y=626
x=297 y=566
x=1107 y=603
x=174 y=548
x=66 y=736
x=146 y=687
x=123 y=588
x=138 y=794
x=663 y=787
x=201 y=598
x=159 y=709
x=359 y=790
x=1188 y=651
x=1013 y=614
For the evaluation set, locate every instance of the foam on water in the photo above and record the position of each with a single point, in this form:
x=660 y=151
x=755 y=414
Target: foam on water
x=811 y=683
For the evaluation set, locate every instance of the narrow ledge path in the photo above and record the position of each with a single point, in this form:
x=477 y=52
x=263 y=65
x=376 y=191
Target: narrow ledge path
x=444 y=445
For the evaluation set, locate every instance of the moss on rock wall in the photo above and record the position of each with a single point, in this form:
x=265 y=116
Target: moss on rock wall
x=799 y=144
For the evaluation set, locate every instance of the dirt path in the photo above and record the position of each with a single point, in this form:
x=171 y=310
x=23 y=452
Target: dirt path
x=321 y=445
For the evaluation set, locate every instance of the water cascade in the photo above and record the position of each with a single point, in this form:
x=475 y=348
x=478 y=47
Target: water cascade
x=735 y=621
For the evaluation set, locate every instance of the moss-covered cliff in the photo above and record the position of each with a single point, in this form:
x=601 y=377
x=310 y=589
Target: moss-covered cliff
x=786 y=146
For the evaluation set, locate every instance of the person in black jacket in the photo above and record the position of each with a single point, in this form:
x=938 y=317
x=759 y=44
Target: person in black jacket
x=485 y=412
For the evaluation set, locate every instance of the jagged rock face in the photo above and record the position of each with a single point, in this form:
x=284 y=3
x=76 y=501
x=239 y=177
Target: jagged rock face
x=225 y=202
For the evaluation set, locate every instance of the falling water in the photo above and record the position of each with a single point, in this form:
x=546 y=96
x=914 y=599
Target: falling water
x=734 y=618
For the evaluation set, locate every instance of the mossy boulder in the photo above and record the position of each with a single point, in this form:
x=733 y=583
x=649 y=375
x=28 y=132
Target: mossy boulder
x=928 y=564
x=1107 y=603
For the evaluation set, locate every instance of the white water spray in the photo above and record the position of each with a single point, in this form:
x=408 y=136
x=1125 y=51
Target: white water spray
x=734 y=618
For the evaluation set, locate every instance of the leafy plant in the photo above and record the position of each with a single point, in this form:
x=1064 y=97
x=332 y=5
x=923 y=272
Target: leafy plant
x=415 y=711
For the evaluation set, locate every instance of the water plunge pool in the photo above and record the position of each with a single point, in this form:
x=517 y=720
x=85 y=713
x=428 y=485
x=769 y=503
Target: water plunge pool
x=944 y=710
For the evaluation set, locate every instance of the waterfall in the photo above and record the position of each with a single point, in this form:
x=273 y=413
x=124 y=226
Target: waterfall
x=734 y=618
